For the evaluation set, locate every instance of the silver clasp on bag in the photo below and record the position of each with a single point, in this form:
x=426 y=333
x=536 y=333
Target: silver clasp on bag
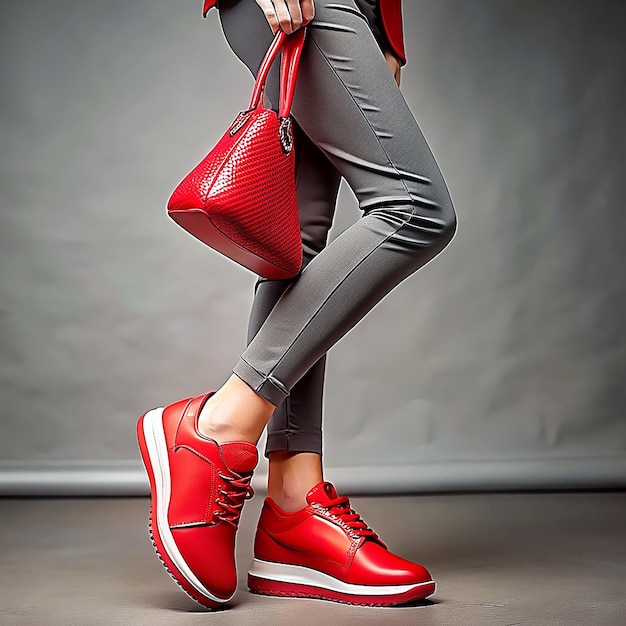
x=285 y=133
x=239 y=122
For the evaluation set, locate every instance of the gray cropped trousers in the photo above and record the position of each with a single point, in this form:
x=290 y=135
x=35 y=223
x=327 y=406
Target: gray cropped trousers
x=352 y=122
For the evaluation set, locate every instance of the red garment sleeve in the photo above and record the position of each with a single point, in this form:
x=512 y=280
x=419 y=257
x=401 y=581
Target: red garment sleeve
x=391 y=14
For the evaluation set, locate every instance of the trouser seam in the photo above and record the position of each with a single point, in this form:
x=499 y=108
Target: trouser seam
x=337 y=286
x=289 y=424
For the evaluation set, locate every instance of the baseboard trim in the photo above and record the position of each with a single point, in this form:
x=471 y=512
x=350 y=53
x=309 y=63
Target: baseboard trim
x=128 y=478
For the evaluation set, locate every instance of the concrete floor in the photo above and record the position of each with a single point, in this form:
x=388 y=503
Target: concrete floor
x=499 y=559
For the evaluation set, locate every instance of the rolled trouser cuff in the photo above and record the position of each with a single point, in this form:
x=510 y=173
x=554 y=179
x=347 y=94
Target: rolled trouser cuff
x=293 y=441
x=266 y=386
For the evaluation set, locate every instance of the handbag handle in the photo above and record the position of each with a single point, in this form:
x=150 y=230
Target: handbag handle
x=291 y=46
x=290 y=60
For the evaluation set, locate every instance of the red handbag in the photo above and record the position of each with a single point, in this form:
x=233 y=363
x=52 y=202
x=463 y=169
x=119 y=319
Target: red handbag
x=241 y=198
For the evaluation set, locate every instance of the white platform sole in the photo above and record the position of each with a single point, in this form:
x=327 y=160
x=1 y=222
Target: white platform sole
x=298 y=575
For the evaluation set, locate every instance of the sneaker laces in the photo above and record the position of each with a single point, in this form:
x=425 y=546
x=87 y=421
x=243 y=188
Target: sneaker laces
x=233 y=494
x=341 y=510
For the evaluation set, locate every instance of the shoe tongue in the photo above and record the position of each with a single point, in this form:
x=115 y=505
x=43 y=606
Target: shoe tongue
x=322 y=493
x=239 y=456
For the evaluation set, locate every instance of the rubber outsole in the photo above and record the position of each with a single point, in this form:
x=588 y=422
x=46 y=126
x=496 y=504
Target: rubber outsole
x=265 y=587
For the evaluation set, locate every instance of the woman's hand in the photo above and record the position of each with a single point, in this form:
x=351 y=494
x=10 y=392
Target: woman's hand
x=394 y=65
x=288 y=15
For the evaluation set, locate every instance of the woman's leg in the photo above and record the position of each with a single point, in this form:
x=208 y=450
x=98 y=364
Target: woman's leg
x=199 y=452
x=349 y=105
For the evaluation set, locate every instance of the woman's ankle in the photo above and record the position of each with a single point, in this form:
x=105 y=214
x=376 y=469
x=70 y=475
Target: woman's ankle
x=234 y=413
x=291 y=476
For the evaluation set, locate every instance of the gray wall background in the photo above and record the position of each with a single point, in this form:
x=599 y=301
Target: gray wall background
x=511 y=373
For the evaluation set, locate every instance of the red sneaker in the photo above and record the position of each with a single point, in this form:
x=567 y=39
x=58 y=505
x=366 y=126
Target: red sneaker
x=198 y=489
x=326 y=551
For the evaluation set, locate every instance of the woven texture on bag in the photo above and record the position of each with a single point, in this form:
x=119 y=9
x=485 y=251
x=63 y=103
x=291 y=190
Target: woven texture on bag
x=246 y=187
x=262 y=213
x=194 y=188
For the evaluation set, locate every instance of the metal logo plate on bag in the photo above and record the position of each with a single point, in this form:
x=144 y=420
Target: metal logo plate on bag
x=285 y=133
x=239 y=122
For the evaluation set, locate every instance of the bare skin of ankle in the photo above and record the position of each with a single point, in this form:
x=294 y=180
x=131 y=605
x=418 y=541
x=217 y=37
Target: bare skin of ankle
x=235 y=413
x=291 y=476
